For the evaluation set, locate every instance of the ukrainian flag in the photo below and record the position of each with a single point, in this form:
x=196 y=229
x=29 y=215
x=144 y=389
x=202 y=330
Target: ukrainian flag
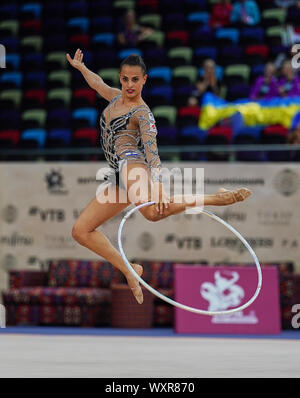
x=263 y=112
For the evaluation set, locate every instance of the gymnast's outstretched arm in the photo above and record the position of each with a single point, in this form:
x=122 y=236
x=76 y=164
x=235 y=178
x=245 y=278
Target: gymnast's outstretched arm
x=94 y=81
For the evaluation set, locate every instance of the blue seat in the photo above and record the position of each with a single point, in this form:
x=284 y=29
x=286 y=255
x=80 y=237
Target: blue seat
x=9 y=11
x=254 y=33
x=257 y=70
x=237 y=91
x=128 y=51
x=38 y=135
x=161 y=91
x=89 y=114
x=64 y=135
x=106 y=38
x=13 y=60
x=12 y=77
x=196 y=4
x=199 y=16
x=193 y=132
x=155 y=57
x=77 y=8
x=203 y=35
x=172 y=21
x=35 y=77
x=183 y=92
x=81 y=22
x=10 y=119
x=11 y=44
x=228 y=33
x=206 y=52
x=167 y=135
x=36 y=59
x=104 y=23
x=34 y=8
x=163 y=72
x=59 y=118
x=254 y=132
x=55 y=24
x=54 y=8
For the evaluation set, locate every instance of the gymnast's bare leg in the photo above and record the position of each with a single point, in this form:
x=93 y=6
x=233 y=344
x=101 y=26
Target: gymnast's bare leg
x=84 y=232
x=98 y=212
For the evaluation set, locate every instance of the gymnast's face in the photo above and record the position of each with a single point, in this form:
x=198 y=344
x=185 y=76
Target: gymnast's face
x=132 y=80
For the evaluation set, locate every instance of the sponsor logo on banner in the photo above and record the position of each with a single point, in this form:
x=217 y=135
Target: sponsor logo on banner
x=146 y=241
x=16 y=239
x=9 y=214
x=272 y=217
x=221 y=181
x=236 y=245
x=286 y=182
x=224 y=294
x=87 y=180
x=47 y=214
x=186 y=242
x=59 y=242
x=55 y=183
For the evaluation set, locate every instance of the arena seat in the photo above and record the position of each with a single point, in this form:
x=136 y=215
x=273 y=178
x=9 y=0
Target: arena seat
x=178 y=56
x=9 y=138
x=151 y=20
x=202 y=53
x=33 y=138
x=35 y=118
x=14 y=96
x=106 y=39
x=89 y=134
x=160 y=75
x=88 y=115
x=165 y=115
x=183 y=75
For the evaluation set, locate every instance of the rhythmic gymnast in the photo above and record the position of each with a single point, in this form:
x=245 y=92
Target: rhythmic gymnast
x=128 y=132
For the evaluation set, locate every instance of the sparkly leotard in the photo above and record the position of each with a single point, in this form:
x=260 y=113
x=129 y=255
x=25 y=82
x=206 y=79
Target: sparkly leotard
x=120 y=140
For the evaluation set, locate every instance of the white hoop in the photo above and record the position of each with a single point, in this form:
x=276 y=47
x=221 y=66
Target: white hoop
x=175 y=303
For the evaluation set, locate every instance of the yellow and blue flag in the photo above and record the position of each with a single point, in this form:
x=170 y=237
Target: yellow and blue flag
x=255 y=113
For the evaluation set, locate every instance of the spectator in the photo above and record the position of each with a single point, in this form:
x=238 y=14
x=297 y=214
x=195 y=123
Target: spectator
x=220 y=15
x=294 y=136
x=289 y=83
x=130 y=33
x=207 y=83
x=245 y=12
x=265 y=86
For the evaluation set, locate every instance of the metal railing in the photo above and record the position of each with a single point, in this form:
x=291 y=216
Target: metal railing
x=173 y=152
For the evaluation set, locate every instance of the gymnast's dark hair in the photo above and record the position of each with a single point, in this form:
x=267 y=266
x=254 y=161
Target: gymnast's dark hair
x=134 y=60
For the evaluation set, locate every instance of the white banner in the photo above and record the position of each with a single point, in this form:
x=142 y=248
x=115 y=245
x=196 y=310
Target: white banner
x=40 y=203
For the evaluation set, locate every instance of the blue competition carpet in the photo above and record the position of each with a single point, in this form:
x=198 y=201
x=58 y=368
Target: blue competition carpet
x=154 y=332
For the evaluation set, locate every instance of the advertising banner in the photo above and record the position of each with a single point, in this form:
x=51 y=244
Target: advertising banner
x=41 y=201
x=224 y=288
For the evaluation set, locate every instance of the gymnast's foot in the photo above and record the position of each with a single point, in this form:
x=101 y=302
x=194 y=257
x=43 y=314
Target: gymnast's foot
x=225 y=197
x=134 y=283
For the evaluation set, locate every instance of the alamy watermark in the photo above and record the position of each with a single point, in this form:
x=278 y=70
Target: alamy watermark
x=2 y=56
x=296 y=58
x=2 y=317
x=183 y=185
x=296 y=317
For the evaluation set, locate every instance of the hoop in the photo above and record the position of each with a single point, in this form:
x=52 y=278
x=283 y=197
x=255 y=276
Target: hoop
x=175 y=303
